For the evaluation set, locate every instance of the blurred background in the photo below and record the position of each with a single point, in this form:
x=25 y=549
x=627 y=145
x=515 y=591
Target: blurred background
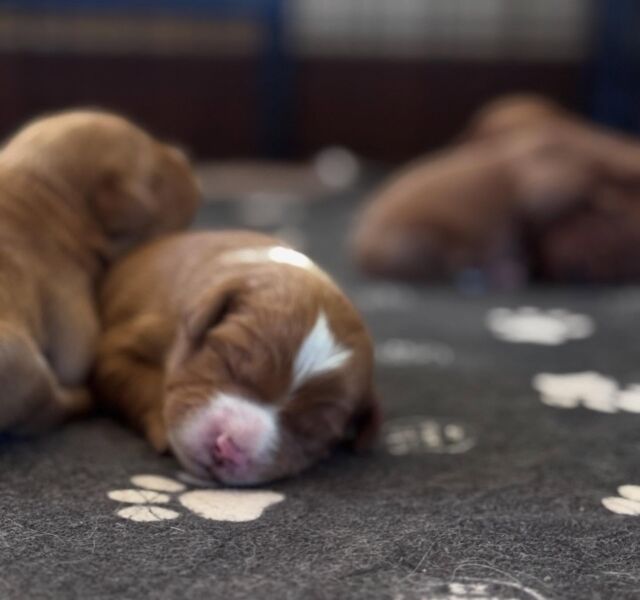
x=387 y=79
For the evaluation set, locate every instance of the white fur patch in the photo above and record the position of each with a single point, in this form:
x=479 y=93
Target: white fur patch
x=278 y=254
x=319 y=353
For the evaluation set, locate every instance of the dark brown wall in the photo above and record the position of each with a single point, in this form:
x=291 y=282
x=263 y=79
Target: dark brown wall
x=209 y=105
x=385 y=110
x=394 y=111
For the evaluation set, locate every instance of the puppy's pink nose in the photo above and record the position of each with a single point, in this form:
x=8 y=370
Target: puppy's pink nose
x=226 y=453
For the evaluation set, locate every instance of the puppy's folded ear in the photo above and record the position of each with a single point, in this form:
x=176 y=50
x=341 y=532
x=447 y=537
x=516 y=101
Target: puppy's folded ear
x=365 y=425
x=124 y=208
x=210 y=309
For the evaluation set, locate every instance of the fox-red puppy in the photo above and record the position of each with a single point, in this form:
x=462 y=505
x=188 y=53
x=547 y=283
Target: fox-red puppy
x=77 y=190
x=237 y=353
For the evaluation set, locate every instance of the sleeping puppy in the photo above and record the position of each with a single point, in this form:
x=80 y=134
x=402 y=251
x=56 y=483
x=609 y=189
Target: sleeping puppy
x=517 y=200
x=237 y=353
x=439 y=215
x=77 y=190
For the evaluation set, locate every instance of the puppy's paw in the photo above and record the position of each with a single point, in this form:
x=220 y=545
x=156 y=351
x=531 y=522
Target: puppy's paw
x=155 y=431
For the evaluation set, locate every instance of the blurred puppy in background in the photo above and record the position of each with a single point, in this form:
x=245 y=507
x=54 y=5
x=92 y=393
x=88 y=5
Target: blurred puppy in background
x=237 y=353
x=531 y=193
x=77 y=190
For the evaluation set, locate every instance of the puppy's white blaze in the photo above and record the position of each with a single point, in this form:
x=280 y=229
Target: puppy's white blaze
x=278 y=254
x=319 y=353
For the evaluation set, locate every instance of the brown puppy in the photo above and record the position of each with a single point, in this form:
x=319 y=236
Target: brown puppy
x=530 y=185
x=77 y=190
x=237 y=352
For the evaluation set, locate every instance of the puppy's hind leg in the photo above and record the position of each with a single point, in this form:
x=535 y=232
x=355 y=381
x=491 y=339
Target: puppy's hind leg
x=31 y=400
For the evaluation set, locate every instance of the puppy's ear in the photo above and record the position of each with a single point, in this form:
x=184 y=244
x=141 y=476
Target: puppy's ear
x=124 y=207
x=210 y=310
x=366 y=423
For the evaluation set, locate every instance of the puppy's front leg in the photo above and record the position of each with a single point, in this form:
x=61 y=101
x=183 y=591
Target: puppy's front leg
x=31 y=400
x=129 y=375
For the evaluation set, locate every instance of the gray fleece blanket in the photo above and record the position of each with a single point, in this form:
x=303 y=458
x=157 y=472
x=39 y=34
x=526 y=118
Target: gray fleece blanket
x=507 y=469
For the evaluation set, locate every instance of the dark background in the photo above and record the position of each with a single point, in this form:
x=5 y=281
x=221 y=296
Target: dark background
x=284 y=78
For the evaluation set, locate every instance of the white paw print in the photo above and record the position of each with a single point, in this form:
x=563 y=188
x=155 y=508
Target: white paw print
x=399 y=353
x=535 y=326
x=588 y=389
x=148 y=501
x=470 y=588
x=425 y=435
x=627 y=503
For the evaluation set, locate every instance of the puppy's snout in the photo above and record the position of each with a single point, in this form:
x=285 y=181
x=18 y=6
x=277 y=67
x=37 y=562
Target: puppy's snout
x=238 y=437
x=227 y=454
x=232 y=438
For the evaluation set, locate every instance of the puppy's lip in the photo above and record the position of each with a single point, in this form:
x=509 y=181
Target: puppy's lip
x=235 y=480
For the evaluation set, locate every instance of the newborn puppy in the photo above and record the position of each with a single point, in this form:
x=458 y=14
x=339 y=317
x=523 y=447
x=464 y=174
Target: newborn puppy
x=77 y=190
x=511 y=201
x=237 y=353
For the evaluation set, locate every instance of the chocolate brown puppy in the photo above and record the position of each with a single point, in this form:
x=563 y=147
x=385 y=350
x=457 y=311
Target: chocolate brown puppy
x=527 y=189
x=77 y=190
x=237 y=353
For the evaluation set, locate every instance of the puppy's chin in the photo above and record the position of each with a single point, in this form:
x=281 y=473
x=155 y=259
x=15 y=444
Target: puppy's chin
x=228 y=438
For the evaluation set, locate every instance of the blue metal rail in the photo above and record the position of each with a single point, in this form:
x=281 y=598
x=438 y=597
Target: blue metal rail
x=616 y=94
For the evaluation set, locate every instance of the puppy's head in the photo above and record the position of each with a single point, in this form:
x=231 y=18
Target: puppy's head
x=510 y=114
x=267 y=377
x=132 y=186
x=153 y=193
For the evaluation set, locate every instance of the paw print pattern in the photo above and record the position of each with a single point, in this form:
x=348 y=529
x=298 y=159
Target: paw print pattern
x=425 y=435
x=528 y=325
x=148 y=501
x=401 y=353
x=470 y=588
x=589 y=389
x=627 y=503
